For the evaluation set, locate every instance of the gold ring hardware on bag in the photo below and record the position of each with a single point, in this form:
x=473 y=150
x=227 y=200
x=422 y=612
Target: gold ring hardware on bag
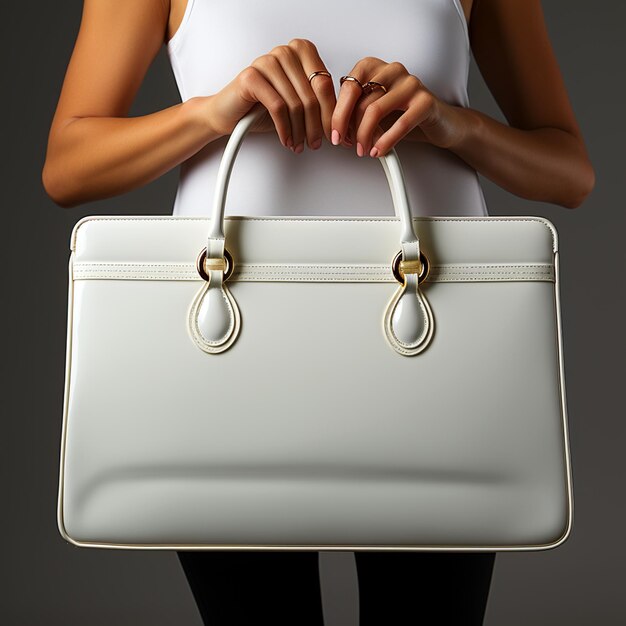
x=419 y=267
x=203 y=265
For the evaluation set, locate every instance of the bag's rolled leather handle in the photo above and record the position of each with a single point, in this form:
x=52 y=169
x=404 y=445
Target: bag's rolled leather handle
x=409 y=241
x=214 y=319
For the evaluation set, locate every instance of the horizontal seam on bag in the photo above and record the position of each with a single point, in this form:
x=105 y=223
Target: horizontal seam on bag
x=349 y=265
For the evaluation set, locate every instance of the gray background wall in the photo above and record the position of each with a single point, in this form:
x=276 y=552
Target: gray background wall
x=46 y=580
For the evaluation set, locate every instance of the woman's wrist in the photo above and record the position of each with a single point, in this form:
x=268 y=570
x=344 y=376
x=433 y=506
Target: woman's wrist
x=449 y=126
x=467 y=130
x=199 y=110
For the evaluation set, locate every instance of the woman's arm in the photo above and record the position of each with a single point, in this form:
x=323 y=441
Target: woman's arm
x=541 y=155
x=94 y=150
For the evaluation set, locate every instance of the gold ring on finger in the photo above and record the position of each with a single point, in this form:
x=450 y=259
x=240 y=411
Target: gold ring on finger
x=370 y=85
x=352 y=78
x=312 y=75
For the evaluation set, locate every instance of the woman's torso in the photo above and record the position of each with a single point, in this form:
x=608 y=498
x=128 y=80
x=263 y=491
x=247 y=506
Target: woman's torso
x=218 y=38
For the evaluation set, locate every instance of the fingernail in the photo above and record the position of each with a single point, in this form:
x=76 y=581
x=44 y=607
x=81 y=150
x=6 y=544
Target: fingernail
x=289 y=142
x=374 y=152
x=359 y=149
x=316 y=144
x=335 y=138
x=299 y=148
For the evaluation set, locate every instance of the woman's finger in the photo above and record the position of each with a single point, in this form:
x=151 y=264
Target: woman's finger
x=271 y=66
x=349 y=94
x=400 y=87
x=260 y=90
x=418 y=112
x=404 y=94
x=359 y=111
x=318 y=94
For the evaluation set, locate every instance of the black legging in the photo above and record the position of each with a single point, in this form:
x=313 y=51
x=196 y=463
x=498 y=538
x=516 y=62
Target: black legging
x=245 y=588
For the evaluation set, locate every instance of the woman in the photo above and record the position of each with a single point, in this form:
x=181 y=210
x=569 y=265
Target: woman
x=402 y=73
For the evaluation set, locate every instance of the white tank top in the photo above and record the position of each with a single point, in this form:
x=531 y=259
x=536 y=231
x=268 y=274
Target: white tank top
x=218 y=38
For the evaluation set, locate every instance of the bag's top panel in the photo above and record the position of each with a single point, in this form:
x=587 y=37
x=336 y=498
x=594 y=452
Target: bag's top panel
x=313 y=239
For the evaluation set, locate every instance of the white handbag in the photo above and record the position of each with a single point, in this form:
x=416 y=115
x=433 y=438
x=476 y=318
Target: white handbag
x=323 y=383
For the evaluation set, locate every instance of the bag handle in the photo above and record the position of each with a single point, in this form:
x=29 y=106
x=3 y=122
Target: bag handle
x=215 y=319
x=409 y=242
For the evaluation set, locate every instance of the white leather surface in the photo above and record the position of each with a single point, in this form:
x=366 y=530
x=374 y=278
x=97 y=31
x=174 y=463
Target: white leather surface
x=310 y=432
x=350 y=239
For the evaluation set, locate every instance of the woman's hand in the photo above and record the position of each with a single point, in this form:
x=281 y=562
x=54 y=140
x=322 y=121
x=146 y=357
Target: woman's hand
x=380 y=120
x=299 y=110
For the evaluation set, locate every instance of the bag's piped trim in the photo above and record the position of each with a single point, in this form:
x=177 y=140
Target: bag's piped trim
x=279 y=272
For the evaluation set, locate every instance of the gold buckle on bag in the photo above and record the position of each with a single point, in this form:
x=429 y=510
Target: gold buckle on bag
x=203 y=265
x=419 y=266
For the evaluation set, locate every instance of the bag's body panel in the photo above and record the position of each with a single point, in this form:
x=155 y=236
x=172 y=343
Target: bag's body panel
x=310 y=432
